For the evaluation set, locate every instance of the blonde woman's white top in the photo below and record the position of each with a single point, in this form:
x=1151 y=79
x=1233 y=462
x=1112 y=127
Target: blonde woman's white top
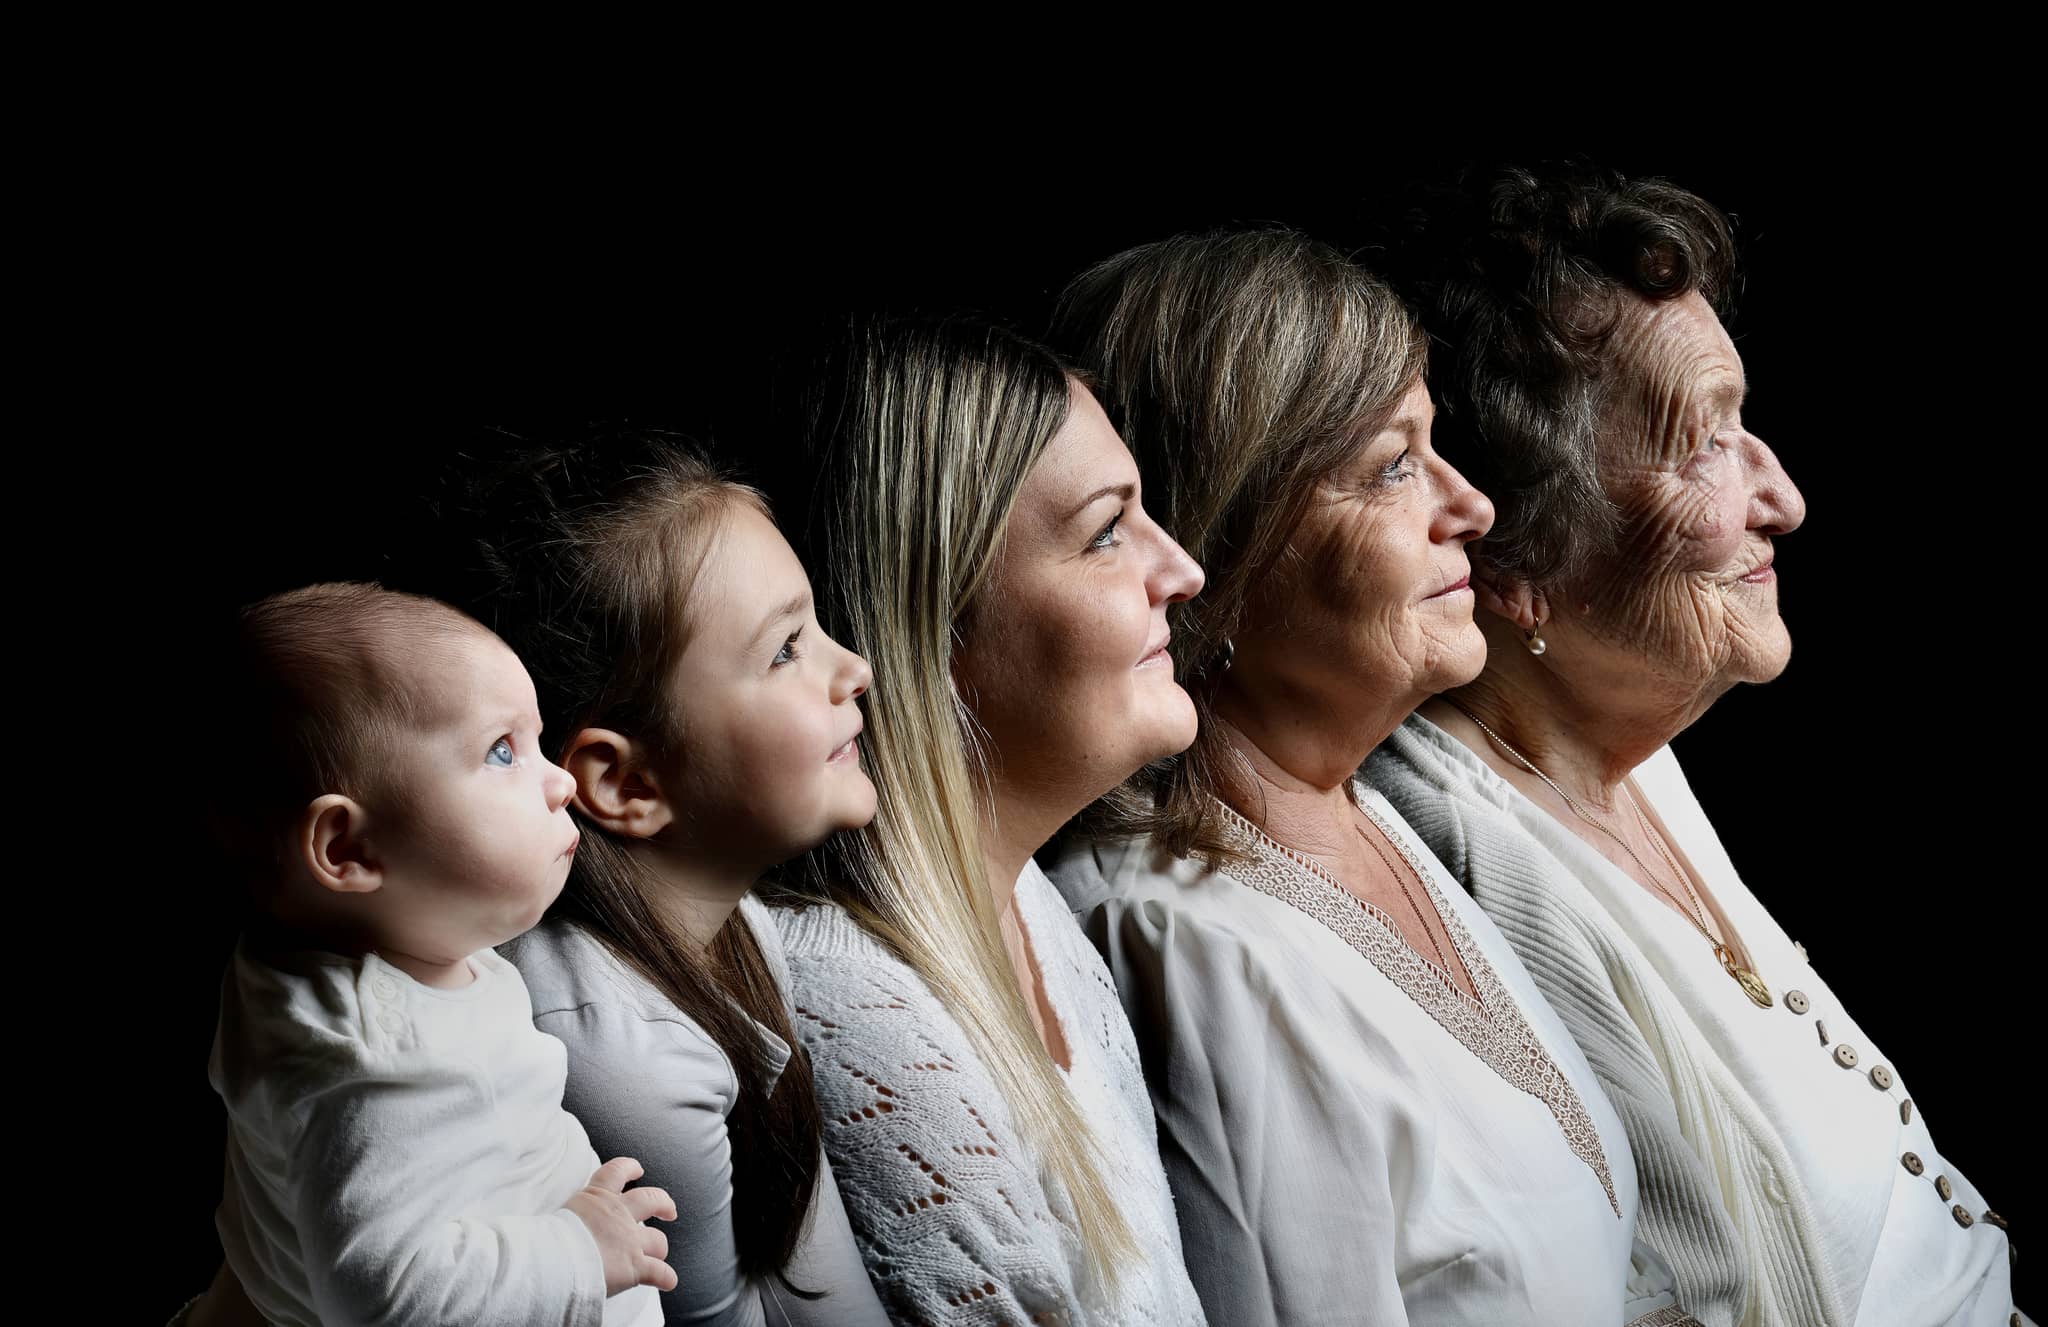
x=1786 y=1129
x=1351 y=1138
x=957 y=1220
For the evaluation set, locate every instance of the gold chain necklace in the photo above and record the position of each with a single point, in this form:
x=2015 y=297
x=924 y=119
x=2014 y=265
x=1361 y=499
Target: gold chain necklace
x=1752 y=985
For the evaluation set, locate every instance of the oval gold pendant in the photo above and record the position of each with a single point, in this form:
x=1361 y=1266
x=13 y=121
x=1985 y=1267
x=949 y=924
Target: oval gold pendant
x=1752 y=986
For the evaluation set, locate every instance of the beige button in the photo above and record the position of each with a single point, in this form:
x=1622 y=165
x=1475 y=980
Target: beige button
x=1797 y=1002
x=1991 y=1218
x=2015 y=1320
x=1944 y=1188
x=1880 y=1077
x=1906 y=1111
x=1963 y=1218
x=1912 y=1162
x=1845 y=1055
x=1821 y=1028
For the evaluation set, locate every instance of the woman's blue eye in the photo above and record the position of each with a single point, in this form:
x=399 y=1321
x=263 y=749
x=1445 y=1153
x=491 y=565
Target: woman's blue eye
x=788 y=653
x=1106 y=537
x=1397 y=469
x=500 y=753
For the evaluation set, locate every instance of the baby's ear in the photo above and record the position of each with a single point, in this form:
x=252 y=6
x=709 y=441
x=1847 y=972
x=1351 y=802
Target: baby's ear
x=331 y=843
x=616 y=786
x=1512 y=598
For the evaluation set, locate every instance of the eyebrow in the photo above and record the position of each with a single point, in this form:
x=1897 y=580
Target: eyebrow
x=789 y=608
x=1123 y=491
x=1730 y=389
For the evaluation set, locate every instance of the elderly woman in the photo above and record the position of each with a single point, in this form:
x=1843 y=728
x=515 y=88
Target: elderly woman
x=1366 y=1111
x=1584 y=378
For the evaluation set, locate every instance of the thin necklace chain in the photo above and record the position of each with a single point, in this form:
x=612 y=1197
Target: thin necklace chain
x=1686 y=907
x=1402 y=885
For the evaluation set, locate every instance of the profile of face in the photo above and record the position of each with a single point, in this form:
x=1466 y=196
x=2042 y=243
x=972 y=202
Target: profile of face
x=1691 y=592
x=1374 y=598
x=1063 y=659
x=471 y=830
x=769 y=765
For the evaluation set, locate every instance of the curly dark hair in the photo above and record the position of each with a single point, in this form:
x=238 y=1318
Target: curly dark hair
x=1521 y=278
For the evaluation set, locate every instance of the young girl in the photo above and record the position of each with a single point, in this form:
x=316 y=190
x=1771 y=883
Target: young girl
x=710 y=728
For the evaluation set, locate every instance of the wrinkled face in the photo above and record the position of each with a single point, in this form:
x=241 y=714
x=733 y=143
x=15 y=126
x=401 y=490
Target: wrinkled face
x=1692 y=591
x=1373 y=595
x=472 y=829
x=1064 y=660
x=768 y=765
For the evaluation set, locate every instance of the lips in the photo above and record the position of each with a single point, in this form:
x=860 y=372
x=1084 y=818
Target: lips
x=845 y=750
x=1454 y=587
x=1763 y=572
x=1157 y=654
x=570 y=851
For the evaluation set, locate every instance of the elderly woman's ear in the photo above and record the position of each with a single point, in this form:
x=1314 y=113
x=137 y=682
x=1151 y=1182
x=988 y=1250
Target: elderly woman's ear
x=1512 y=598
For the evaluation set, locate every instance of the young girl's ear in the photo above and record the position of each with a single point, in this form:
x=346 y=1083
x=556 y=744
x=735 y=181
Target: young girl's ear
x=330 y=843
x=1512 y=598
x=615 y=784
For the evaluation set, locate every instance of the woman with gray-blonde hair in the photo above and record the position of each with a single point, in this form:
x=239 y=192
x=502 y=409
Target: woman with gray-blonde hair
x=1584 y=374
x=1367 y=1112
x=977 y=526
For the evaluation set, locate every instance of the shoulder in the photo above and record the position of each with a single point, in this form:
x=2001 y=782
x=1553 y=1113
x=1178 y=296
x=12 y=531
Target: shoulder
x=599 y=1007
x=565 y=967
x=292 y=1015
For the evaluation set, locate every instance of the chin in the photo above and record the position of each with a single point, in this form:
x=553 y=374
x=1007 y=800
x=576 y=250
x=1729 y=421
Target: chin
x=1171 y=732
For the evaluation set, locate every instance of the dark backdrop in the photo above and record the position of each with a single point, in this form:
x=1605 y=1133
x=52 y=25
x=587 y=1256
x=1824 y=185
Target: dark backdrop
x=319 y=358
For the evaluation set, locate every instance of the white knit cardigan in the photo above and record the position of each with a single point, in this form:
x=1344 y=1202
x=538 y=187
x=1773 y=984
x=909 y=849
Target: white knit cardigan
x=1784 y=1175
x=957 y=1221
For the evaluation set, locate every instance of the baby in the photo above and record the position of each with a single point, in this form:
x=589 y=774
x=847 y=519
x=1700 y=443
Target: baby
x=397 y=1148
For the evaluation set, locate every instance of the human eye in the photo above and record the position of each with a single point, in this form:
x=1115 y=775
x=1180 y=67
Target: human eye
x=1397 y=470
x=788 y=653
x=1106 y=536
x=500 y=754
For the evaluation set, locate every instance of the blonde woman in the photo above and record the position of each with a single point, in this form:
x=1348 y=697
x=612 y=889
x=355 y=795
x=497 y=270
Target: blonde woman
x=1368 y=1112
x=979 y=537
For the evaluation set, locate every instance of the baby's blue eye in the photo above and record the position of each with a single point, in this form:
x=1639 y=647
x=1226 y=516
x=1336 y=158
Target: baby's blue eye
x=500 y=754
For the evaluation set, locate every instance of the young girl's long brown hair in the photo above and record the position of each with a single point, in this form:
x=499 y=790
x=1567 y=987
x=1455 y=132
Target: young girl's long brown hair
x=588 y=551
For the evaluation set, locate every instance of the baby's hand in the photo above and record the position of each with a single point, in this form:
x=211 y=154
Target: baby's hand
x=633 y=1254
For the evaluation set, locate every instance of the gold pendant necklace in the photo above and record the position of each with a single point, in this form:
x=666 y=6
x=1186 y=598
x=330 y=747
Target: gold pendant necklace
x=1694 y=912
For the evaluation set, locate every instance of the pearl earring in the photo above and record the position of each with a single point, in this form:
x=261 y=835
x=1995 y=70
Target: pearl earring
x=1534 y=640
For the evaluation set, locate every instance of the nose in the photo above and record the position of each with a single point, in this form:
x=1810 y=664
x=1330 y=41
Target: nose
x=1775 y=504
x=853 y=676
x=1175 y=576
x=1466 y=513
x=558 y=785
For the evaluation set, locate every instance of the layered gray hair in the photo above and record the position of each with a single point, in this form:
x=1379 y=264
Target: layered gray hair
x=1242 y=368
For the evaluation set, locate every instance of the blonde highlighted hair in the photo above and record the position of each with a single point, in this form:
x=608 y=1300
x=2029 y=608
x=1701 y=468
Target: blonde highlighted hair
x=921 y=434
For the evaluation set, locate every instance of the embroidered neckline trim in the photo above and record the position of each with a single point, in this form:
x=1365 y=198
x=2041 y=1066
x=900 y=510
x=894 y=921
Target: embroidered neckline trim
x=1488 y=1023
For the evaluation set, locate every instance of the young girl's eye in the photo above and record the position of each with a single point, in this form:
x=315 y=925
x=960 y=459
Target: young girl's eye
x=500 y=753
x=789 y=652
x=1106 y=537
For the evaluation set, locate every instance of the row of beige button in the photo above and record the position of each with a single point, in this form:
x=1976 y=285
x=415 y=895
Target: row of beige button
x=1881 y=1078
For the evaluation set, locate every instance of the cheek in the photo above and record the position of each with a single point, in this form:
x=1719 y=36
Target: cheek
x=1060 y=649
x=1691 y=521
x=1355 y=576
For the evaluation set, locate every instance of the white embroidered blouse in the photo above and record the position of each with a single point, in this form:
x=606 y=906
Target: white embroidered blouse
x=1350 y=1137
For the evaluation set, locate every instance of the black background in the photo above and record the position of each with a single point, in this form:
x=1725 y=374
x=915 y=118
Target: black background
x=317 y=353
